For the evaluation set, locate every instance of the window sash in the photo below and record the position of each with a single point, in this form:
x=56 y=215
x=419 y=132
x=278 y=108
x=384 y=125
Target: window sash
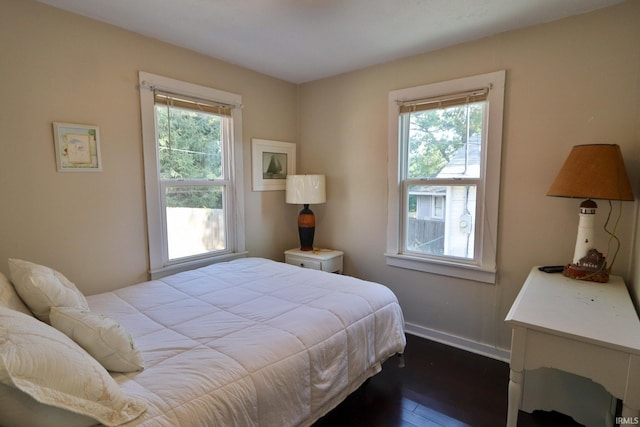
x=223 y=144
x=404 y=135
x=206 y=184
x=404 y=248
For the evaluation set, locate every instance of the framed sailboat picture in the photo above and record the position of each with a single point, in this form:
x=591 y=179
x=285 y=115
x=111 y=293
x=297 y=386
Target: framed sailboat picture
x=271 y=162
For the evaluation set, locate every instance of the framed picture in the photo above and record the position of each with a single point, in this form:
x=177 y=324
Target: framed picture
x=77 y=147
x=271 y=162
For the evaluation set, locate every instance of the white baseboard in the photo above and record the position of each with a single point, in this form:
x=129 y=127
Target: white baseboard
x=458 y=342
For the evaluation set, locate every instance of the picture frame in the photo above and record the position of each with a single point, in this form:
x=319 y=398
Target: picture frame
x=271 y=162
x=77 y=147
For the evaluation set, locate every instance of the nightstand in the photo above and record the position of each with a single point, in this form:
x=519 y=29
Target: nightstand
x=317 y=259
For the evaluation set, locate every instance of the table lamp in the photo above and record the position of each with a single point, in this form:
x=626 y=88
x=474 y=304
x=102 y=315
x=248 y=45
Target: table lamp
x=305 y=190
x=593 y=171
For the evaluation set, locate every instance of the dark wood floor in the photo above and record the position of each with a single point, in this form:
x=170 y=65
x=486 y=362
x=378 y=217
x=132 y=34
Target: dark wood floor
x=439 y=386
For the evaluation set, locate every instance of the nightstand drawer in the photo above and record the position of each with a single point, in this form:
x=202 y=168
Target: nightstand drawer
x=333 y=265
x=304 y=262
x=318 y=259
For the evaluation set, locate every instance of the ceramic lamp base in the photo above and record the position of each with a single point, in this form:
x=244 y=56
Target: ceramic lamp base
x=306 y=228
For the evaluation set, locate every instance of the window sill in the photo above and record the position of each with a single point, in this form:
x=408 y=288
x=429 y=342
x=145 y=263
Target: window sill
x=191 y=265
x=462 y=271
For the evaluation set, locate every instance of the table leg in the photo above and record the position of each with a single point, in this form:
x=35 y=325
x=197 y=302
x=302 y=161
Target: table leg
x=515 y=397
x=611 y=415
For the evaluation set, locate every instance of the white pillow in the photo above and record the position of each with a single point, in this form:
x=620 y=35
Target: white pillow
x=42 y=287
x=17 y=408
x=47 y=365
x=103 y=338
x=9 y=298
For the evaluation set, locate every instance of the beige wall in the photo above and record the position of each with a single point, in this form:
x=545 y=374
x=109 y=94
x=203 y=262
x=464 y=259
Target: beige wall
x=635 y=253
x=569 y=82
x=56 y=66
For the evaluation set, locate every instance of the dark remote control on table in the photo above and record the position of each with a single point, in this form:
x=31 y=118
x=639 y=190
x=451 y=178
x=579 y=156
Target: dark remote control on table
x=552 y=268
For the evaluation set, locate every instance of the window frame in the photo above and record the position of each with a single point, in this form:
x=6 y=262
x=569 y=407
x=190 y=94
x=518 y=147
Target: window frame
x=159 y=263
x=434 y=207
x=483 y=268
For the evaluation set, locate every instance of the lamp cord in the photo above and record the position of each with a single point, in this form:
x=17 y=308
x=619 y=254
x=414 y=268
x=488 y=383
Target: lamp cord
x=612 y=234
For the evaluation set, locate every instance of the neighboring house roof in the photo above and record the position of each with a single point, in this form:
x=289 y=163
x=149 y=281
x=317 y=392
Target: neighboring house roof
x=466 y=162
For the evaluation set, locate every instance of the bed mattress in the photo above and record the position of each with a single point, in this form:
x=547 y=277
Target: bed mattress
x=252 y=342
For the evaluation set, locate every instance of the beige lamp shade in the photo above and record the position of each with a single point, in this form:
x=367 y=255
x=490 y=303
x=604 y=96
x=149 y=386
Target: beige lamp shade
x=594 y=171
x=306 y=189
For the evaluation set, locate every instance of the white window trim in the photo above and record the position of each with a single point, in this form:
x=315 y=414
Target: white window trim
x=158 y=264
x=485 y=269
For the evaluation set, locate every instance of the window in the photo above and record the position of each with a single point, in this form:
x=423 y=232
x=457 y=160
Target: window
x=193 y=170
x=444 y=175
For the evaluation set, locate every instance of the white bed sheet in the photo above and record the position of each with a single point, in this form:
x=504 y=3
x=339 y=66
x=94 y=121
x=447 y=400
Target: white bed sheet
x=252 y=342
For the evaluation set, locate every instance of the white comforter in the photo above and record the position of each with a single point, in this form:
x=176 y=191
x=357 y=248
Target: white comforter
x=252 y=342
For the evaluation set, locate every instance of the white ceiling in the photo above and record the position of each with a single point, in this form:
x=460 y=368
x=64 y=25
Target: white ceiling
x=305 y=40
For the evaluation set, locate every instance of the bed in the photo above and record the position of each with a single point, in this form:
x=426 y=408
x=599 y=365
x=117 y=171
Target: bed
x=250 y=342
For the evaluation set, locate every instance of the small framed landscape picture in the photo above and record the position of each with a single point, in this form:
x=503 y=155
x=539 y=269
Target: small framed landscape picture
x=271 y=162
x=77 y=147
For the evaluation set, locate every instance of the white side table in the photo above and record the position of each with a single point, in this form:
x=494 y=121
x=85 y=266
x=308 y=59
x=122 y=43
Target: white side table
x=585 y=328
x=317 y=259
